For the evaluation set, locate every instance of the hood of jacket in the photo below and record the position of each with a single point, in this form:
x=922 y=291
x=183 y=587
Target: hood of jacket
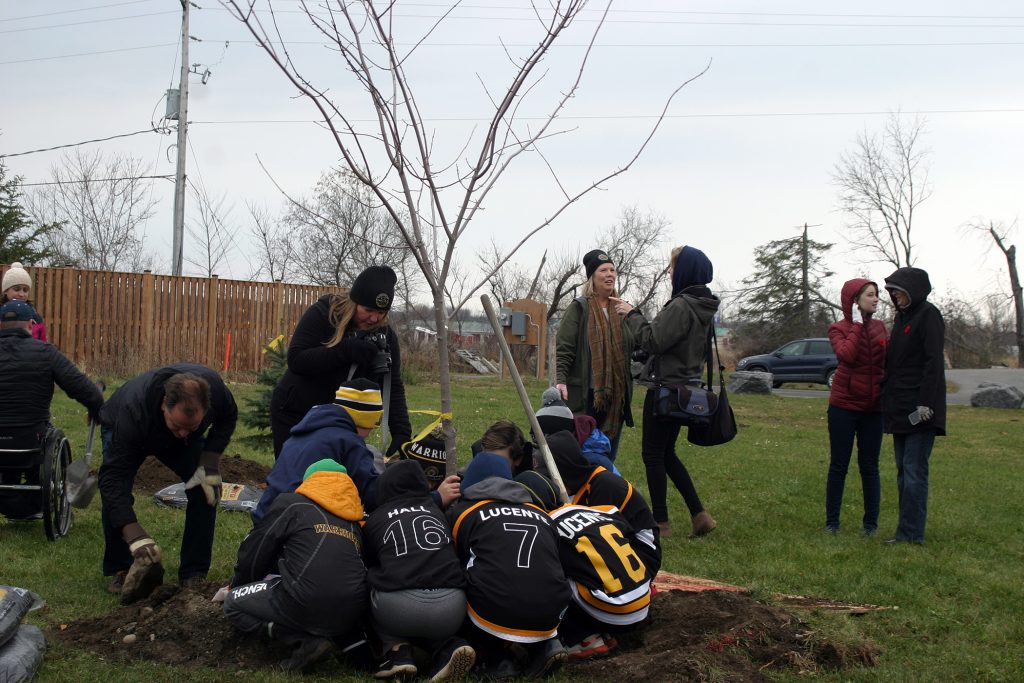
x=497 y=488
x=849 y=292
x=572 y=466
x=913 y=281
x=692 y=268
x=403 y=479
x=326 y=415
x=334 y=492
x=584 y=426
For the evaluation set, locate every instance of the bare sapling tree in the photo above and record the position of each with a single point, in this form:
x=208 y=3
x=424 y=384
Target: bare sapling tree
x=636 y=246
x=100 y=207
x=212 y=239
x=1000 y=235
x=881 y=182
x=432 y=197
x=273 y=249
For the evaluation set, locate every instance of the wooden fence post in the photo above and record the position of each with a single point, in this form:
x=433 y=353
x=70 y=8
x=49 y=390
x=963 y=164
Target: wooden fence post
x=212 y=295
x=279 y=292
x=148 y=330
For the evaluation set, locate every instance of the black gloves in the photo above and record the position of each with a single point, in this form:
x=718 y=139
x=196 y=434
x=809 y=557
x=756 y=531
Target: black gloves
x=396 y=443
x=357 y=351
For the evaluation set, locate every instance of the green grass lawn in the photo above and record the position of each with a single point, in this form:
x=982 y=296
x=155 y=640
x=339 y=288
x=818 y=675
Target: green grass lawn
x=960 y=597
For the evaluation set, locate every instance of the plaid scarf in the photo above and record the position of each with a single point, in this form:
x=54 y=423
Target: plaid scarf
x=608 y=366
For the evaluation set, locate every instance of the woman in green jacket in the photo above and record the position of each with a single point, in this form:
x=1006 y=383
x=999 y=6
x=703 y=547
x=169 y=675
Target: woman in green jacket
x=677 y=343
x=592 y=353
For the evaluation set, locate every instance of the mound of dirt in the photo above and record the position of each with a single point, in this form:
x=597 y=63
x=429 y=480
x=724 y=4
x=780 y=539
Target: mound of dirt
x=691 y=637
x=718 y=636
x=154 y=475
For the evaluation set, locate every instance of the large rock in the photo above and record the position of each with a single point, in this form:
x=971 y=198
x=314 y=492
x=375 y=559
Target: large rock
x=992 y=395
x=745 y=382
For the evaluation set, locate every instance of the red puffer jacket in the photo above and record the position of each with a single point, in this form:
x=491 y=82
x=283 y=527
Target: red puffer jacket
x=860 y=348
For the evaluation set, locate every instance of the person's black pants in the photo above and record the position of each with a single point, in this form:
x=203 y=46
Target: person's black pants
x=662 y=463
x=200 y=519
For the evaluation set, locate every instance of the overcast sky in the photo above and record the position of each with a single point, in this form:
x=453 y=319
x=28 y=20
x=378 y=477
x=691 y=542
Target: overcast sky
x=744 y=157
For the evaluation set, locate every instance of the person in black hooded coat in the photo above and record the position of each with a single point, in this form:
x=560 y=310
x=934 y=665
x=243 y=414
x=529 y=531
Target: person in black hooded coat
x=914 y=394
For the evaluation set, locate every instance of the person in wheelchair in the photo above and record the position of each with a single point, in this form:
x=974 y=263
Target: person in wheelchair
x=30 y=368
x=184 y=416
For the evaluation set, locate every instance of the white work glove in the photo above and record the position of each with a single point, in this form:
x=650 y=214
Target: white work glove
x=207 y=475
x=925 y=413
x=856 y=315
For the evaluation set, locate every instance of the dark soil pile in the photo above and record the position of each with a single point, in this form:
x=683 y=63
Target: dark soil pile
x=705 y=636
x=154 y=475
x=719 y=636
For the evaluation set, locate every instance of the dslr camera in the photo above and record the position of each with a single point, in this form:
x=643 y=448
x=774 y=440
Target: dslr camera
x=381 y=362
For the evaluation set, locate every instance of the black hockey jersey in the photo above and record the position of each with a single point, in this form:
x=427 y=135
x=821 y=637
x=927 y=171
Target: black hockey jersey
x=515 y=587
x=608 y=576
x=408 y=542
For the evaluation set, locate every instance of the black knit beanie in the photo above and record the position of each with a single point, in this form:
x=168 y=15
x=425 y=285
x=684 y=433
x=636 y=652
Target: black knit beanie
x=374 y=288
x=593 y=260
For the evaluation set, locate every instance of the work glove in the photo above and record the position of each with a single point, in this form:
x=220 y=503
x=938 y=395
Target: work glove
x=207 y=475
x=856 y=315
x=357 y=351
x=146 y=572
x=924 y=413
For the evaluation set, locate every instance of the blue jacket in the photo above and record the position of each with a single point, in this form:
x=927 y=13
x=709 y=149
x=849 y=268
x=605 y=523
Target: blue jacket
x=326 y=431
x=597 y=450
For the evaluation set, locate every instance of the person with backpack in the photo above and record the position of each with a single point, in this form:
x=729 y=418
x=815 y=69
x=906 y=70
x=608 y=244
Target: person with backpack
x=677 y=342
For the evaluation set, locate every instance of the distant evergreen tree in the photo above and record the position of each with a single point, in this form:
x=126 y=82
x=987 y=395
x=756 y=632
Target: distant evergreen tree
x=20 y=239
x=257 y=414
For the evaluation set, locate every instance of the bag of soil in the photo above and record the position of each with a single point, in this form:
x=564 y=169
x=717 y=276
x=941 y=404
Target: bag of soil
x=235 y=497
x=14 y=605
x=21 y=656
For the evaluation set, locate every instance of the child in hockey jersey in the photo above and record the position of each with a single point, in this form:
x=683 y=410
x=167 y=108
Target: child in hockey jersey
x=515 y=588
x=611 y=584
x=415 y=577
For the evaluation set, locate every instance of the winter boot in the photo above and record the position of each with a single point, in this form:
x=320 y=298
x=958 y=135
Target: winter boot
x=703 y=523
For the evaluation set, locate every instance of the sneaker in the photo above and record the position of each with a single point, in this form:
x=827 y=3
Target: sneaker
x=502 y=669
x=397 y=663
x=195 y=581
x=117 y=582
x=453 y=660
x=545 y=657
x=610 y=641
x=868 y=532
x=703 y=523
x=592 y=646
x=308 y=652
x=832 y=530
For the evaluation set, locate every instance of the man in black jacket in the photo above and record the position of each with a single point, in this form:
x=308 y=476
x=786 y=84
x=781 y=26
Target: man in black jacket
x=30 y=368
x=184 y=416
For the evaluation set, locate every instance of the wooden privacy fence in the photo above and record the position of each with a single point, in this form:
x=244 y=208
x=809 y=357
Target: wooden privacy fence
x=126 y=322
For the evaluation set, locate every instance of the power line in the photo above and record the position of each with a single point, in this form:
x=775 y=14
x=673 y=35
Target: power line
x=606 y=117
x=78 y=144
x=87 y=54
x=73 y=11
x=98 y=180
x=631 y=46
x=86 y=21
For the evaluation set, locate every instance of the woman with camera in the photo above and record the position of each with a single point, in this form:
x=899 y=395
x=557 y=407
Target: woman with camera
x=340 y=337
x=677 y=342
x=593 y=350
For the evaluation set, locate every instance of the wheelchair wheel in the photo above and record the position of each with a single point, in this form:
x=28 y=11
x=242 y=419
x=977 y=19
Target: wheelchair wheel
x=57 y=513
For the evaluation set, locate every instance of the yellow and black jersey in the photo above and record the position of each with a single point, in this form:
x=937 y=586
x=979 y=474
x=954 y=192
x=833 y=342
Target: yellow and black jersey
x=603 y=488
x=609 y=579
x=515 y=587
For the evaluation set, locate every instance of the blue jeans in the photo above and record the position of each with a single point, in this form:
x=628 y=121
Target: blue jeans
x=843 y=426
x=912 y=453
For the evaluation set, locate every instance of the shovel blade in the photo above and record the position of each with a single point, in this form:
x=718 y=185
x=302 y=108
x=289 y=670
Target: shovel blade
x=80 y=485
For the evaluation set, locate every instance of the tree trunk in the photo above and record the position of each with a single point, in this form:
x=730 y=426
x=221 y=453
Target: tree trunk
x=1018 y=302
x=444 y=374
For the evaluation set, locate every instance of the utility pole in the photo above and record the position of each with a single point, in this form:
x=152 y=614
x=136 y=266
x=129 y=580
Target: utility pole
x=179 y=181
